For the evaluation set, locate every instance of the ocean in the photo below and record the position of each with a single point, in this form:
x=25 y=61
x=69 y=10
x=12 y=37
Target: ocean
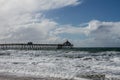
x=63 y=63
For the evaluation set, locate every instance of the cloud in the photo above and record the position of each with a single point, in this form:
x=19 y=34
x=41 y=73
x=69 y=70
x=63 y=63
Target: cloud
x=90 y=26
x=106 y=34
x=22 y=20
x=37 y=32
x=34 y=5
x=97 y=33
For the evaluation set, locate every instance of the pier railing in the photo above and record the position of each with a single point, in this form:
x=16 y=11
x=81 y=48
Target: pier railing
x=31 y=46
x=28 y=47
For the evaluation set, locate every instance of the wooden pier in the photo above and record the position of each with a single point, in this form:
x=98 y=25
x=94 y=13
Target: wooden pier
x=32 y=46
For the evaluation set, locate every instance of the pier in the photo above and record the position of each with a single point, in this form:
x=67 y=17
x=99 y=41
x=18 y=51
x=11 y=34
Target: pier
x=32 y=46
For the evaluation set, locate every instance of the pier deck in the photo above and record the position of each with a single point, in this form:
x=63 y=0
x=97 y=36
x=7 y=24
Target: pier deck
x=31 y=46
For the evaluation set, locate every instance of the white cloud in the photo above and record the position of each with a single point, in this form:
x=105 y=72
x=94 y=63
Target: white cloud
x=24 y=19
x=32 y=31
x=98 y=33
x=22 y=6
x=90 y=26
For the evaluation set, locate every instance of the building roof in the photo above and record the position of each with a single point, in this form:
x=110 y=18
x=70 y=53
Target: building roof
x=67 y=43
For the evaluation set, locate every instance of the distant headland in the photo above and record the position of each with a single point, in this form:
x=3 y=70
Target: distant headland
x=32 y=46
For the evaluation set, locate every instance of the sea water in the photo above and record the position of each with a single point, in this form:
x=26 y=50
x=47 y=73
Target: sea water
x=60 y=63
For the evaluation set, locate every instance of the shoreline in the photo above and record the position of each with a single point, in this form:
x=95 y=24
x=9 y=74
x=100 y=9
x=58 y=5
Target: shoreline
x=15 y=77
x=7 y=76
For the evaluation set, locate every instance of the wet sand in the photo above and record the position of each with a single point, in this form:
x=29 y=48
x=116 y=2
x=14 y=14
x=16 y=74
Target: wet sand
x=28 y=78
x=14 y=77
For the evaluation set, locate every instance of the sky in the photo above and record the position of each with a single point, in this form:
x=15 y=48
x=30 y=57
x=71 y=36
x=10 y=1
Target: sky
x=85 y=23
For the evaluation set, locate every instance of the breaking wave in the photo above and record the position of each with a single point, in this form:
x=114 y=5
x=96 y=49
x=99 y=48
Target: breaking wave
x=60 y=63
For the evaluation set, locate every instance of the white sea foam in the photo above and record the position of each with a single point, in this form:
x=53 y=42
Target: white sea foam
x=64 y=64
